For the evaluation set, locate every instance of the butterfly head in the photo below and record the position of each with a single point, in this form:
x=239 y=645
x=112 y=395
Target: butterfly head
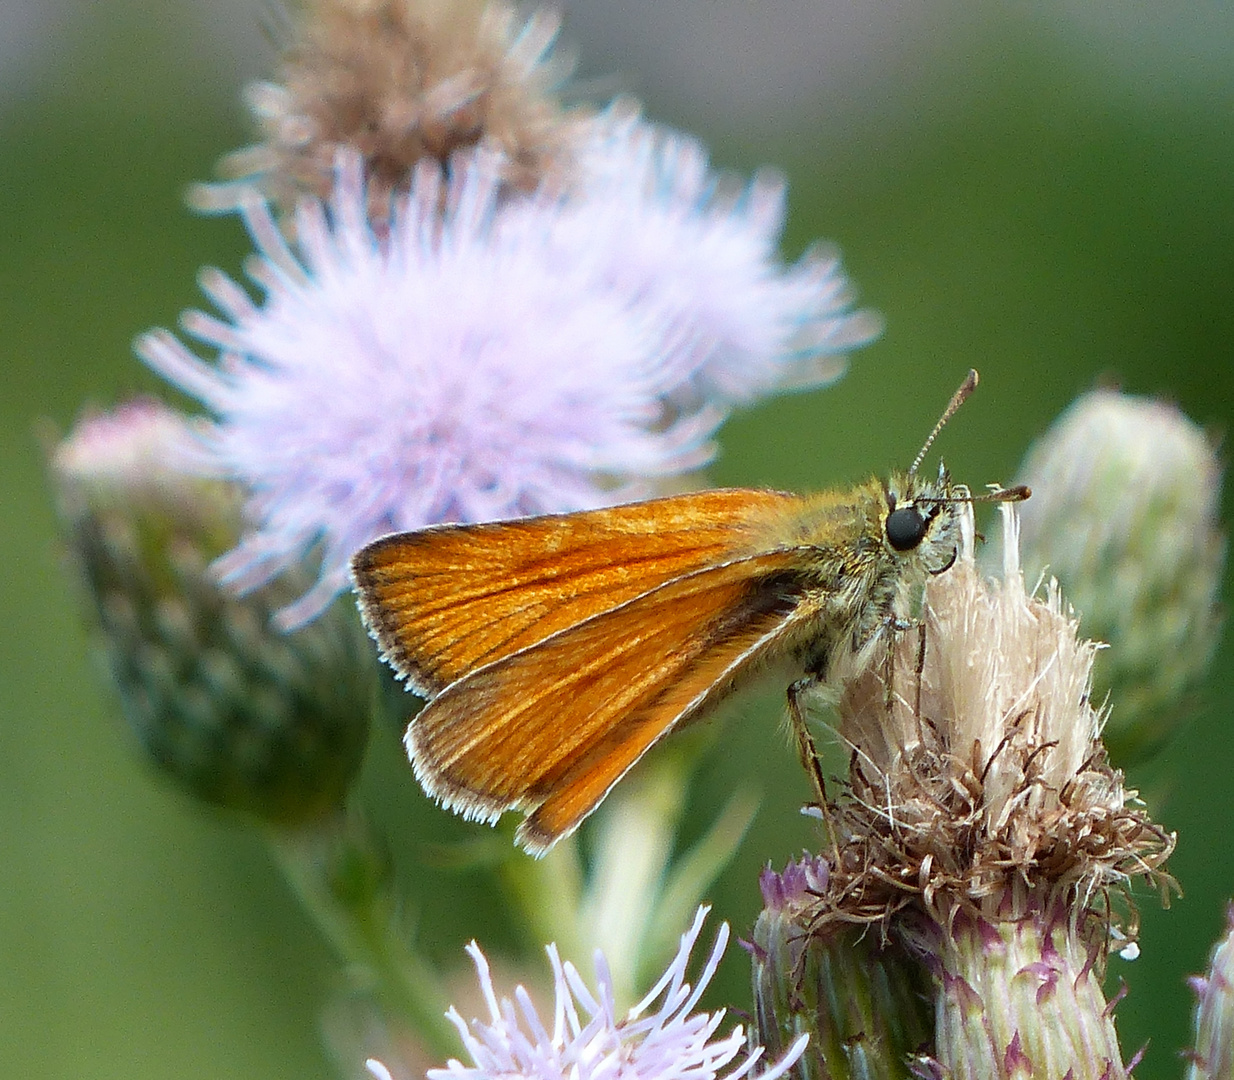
x=921 y=519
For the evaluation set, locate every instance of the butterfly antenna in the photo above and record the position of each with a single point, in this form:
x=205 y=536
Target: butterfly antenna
x=957 y=399
x=1018 y=493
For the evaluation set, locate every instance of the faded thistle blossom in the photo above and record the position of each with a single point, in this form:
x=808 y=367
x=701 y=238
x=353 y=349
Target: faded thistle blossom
x=1125 y=515
x=659 y=1038
x=485 y=358
x=981 y=833
x=236 y=714
x=399 y=81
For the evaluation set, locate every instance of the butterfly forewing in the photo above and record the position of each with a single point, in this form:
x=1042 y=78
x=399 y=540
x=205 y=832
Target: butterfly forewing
x=447 y=600
x=550 y=728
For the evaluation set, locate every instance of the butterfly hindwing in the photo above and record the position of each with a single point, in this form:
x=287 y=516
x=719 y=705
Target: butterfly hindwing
x=550 y=728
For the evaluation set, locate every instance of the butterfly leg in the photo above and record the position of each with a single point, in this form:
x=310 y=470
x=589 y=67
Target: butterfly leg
x=893 y=626
x=808 y=753
x=900 y=626
x=921 y=659
x=806 y=750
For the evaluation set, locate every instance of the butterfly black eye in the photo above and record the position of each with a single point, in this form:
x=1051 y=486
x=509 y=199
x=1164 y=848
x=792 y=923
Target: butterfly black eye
x=906 y=528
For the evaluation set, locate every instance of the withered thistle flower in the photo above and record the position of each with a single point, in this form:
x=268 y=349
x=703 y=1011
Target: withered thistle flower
x=236 y=713
x=400 y=81
x=981 y=830
x=1125 y=515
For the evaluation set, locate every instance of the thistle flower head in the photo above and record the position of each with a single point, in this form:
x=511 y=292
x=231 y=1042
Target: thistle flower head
x=703 y=245
x=484 y=357
x=660 y=1038
x=235 y=714
x=141 y=451
x=1124 y=514
x=399 y=81
x=978 y=780
x=982 y=829
x=794 y=887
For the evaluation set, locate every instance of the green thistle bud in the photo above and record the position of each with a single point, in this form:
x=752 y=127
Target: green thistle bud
x=1212 y=1058
x=863 y=1004
x=236 y=713
x=1124 y=514
x=1020 y=997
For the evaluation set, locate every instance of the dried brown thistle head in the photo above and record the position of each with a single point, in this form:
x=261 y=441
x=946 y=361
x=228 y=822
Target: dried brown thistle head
x=977 y=780
x=401 y=81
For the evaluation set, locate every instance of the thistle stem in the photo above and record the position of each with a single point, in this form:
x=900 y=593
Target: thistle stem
x=339 y=875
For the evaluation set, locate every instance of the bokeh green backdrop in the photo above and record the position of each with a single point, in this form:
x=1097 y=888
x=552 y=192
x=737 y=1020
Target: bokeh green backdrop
x=1028 y=214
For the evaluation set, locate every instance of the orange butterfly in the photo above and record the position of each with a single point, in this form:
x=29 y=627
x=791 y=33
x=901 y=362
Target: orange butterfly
x=557 y=650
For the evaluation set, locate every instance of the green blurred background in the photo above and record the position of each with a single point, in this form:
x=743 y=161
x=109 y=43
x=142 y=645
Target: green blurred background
x=1029 y=193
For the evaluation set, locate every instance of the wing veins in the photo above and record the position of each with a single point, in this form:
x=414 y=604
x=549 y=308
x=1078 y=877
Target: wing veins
x=617 y=608
x=520 y=756
x=456 y=600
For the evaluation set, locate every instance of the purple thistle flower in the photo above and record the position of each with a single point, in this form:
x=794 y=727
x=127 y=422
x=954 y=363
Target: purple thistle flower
x=490 y=355
x=796 y=885
x=671 y=231
x=660 y=1038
